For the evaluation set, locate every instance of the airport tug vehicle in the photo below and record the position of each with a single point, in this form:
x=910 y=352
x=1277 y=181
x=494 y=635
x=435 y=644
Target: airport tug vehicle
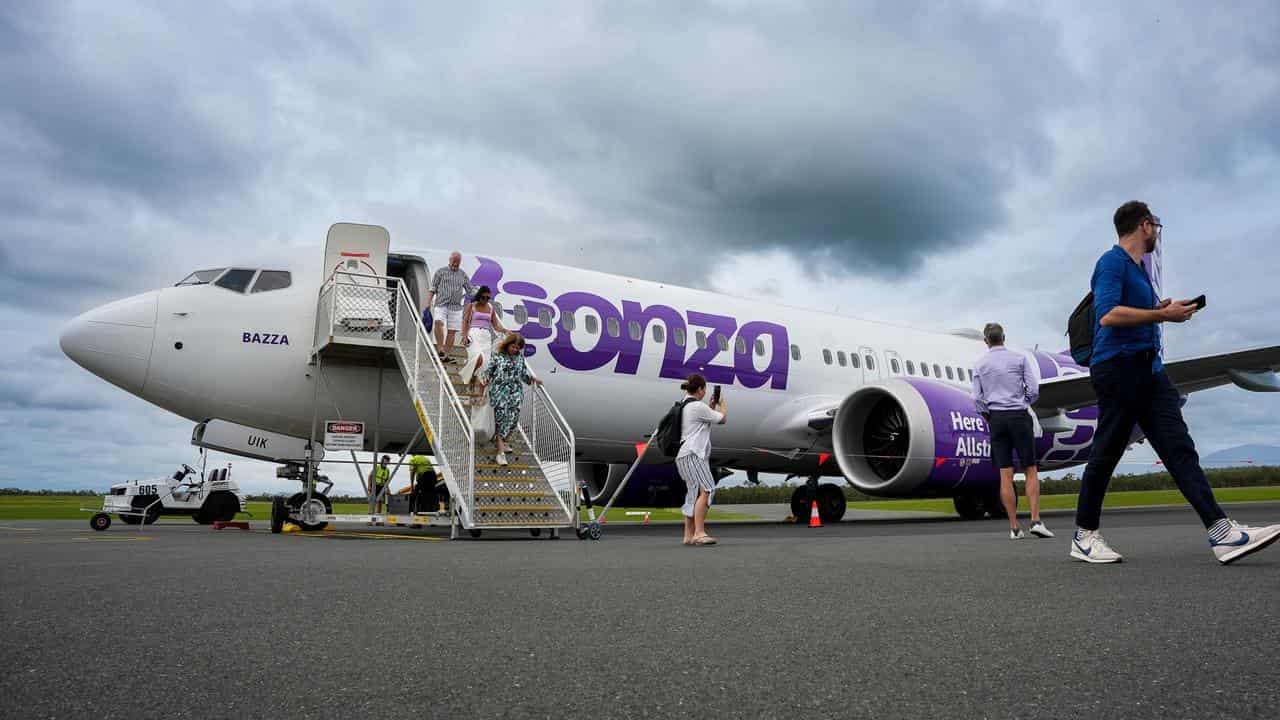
x=204 y=497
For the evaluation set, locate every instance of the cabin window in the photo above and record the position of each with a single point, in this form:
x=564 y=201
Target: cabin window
x=841 y=358
x=937 y=371
x=950 y=375
x=634 y=331
x=911 y=368
x=678 y=334
x=522 y=314
x=269 y=280
x=613 y=327
x=236 y=279
x=871 y=362
x=657 y=333
x=795 y=353
x=723 y=342
x=592 y=324
x=760 y=347
x=702 y=340
x=893 y=364
x=740 y=345
x=970 y=376
x=853 y=360
x=924 y=369
x=201 y=277
x=544 y=317
x=826 y=356
x=567 y=322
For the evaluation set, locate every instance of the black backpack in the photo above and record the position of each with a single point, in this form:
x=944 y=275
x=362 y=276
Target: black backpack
x=1080 y=331
x=667 y=438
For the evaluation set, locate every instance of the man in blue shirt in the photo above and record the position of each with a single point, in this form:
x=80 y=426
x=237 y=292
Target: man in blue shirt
x=1132 y=388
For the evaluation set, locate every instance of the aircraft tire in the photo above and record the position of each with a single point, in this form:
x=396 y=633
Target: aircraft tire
x=831 y=503
x=474 y=532
x=800 y=505
x=295 y=502
x=969 y=507
x=536 y=532
x=202 y=519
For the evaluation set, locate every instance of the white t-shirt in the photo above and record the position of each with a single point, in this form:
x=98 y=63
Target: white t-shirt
x=695 y=429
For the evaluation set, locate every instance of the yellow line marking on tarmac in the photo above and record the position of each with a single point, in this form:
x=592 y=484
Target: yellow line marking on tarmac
x=19 y=529
x=375 y=536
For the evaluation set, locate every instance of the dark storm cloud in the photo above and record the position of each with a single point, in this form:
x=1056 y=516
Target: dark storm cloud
x=859 y=136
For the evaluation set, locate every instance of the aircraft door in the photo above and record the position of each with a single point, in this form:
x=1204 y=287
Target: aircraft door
x=358 y=249
x=870 y=364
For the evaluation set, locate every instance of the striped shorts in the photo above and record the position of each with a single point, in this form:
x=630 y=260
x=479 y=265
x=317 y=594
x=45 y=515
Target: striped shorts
x=696 y=474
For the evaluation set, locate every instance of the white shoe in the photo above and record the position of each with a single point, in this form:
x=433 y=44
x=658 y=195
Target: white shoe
x=1016 y=533
x=1039 y=530
x=1088 y=545
x=1242 y=540
x=501 y=457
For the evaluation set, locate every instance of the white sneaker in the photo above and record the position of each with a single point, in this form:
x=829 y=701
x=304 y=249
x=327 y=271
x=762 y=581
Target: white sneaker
x=501 y=457
x=1088 y=545
x=1242 y=540
x=1039 y=530
x=1016 y=533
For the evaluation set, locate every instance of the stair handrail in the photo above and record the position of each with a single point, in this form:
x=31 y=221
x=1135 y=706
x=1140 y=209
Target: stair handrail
x=539 y=402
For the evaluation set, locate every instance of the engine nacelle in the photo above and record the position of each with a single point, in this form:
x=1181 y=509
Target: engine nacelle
x=913 y=437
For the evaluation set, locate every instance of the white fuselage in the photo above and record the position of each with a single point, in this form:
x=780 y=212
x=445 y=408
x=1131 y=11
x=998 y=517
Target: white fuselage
x=246 y=358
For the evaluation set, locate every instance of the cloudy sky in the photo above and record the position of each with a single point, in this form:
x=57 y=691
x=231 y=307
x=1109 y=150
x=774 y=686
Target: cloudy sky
x=937 y=164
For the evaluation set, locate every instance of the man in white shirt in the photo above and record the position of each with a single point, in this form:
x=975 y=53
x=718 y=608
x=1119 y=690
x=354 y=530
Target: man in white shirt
x=692 y=461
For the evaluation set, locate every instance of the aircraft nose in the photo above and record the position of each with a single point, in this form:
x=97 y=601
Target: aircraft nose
x=114 y=341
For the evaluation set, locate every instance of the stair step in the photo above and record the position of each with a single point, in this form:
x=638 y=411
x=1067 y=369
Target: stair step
x=525 y=523
x=513 y=493
x=524 y=479
x=510 y=466
x=517 y=508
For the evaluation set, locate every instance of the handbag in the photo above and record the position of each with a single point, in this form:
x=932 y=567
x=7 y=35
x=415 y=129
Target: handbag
x=482 y=421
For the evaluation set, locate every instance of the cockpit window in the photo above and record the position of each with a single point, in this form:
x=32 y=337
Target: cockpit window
x=201 y=277
x=236 y=279
x=272 y=280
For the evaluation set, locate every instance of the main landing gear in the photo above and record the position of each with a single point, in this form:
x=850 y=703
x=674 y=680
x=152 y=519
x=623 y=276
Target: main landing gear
x=830 y=497
x=977 y=507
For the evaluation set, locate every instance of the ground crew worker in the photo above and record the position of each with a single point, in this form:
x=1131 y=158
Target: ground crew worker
x=422 y=478
x=377 y=483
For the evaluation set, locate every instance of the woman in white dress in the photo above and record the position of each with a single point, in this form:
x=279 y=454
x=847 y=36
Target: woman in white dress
x=480 y=327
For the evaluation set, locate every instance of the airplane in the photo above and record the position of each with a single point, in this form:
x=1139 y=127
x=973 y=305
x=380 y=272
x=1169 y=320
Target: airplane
x=828 y=398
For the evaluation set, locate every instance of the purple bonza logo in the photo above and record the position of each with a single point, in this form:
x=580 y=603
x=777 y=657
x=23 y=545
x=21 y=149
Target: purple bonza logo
x=617 y=342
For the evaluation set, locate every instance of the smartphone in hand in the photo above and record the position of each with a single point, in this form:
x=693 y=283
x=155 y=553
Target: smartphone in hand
x=1199 y=301
x=715 y=396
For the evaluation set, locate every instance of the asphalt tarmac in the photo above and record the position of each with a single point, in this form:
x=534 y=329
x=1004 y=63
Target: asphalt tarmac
x=884 y=619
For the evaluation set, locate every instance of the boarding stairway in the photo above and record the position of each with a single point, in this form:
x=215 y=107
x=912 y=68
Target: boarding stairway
x=360 y=319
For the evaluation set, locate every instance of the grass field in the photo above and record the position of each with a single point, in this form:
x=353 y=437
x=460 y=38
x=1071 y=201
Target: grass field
x=67 y=507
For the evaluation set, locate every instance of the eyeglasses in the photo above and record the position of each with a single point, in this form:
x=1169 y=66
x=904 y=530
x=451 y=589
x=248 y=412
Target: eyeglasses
x=1155 y=221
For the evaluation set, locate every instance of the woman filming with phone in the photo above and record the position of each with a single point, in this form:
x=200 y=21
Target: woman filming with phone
x=693 y=460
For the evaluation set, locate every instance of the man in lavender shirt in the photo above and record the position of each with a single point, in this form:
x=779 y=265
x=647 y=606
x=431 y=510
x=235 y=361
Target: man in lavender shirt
x=1004 y=386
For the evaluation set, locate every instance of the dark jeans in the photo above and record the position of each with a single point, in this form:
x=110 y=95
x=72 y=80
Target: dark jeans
x=1129 y=393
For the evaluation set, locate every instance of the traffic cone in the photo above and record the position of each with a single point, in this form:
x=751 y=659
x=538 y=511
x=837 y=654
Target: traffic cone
x=646 y=518
x=814 y=520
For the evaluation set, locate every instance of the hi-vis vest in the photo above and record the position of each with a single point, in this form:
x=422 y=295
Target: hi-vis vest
x=381 y=475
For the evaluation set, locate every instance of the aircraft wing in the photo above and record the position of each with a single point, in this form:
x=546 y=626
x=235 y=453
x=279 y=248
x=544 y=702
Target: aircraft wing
x=1252 y=370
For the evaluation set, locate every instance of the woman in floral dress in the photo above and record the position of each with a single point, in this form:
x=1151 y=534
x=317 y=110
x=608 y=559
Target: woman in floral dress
x=503 y=375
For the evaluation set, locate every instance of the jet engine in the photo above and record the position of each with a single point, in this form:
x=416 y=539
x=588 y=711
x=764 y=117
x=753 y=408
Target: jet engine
x=914 y=437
